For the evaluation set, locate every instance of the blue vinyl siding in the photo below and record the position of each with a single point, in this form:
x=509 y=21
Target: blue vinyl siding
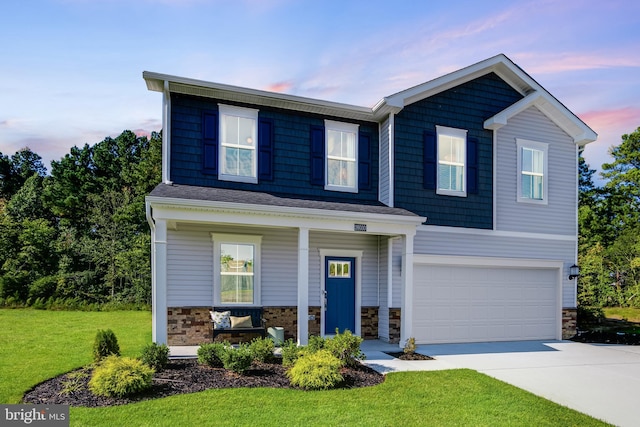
x=464 y=107
x=290 y=152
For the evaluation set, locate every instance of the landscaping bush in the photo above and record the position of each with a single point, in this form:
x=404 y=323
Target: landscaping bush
x=120 y=376
x=315 y=343
x=290 y=353
x=155 y=356
x=211 y=354
x=238 y=359
x=346 y=347
x=316 y=371
x=410 y=346
x=105 y=344
x=262 y=349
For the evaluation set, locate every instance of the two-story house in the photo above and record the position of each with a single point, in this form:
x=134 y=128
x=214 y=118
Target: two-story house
x=447 y=212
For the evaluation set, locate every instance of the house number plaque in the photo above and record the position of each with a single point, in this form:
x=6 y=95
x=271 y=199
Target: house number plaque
x=359 y=227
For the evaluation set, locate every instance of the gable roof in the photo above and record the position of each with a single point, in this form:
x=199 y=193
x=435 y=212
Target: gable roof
x=532 y=92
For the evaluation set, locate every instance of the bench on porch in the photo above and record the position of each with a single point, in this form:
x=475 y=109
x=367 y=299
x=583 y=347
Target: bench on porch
x=238 y=322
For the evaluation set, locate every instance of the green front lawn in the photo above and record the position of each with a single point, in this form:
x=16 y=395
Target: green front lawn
x=620 y=313
x=35 y=345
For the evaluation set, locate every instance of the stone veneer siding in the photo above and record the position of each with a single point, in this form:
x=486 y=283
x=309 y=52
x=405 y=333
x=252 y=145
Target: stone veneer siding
x=188 y=325
x=569 y=323
x=369 y=327
x=394 y=325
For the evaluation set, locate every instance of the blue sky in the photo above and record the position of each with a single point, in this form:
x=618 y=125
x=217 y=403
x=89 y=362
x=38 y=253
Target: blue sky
x=71 y=70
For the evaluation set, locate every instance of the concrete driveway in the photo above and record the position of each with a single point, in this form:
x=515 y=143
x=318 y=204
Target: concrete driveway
x=600 y=380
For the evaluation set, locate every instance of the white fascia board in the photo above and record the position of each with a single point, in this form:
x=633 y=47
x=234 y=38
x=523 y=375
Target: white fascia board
x=550 y=107
x=255 y=96
x=172 y=209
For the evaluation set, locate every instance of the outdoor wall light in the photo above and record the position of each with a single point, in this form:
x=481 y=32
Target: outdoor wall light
x=574 y=271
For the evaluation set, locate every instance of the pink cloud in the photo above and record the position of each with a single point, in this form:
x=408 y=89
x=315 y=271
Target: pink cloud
x=281 y=87
x=620 y=118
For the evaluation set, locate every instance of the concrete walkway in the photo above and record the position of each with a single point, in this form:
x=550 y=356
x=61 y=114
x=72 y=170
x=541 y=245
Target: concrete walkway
x=599 y=380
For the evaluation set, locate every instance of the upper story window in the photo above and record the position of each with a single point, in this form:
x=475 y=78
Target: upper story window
x=238 y=141
x=341 y=141
x=532 y=171
x=452 y=155
x=236 y=269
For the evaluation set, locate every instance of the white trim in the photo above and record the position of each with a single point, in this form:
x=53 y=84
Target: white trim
x=331 y=125
x=495 y=233
x=324 y=253
x=303 y=286
x=166 y=134
x=538 y=146
x=494 y=178
x=256 y=241
x=459 y=134
x=392 y=171
x=247 y=113
x=390 y=271
x=406 y=302
x=159 y=279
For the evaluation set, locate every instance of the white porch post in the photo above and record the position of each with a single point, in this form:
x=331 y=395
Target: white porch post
x=303 y=286
x=406 y=316
x=159 y=282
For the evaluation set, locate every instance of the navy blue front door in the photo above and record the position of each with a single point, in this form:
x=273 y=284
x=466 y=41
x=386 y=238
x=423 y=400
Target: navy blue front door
x=340 y=288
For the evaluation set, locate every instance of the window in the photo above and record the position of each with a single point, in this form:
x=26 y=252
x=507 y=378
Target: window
x=236 y=269
x=532 y=171
x=341 y=164
x=238 y=142
x=452 y=155
x=340 y=269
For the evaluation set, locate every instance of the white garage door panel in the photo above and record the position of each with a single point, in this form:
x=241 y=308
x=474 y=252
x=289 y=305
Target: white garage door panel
x=473 y=304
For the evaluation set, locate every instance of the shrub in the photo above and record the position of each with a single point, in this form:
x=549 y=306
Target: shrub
x=238 y=359
x=155 y=356
x=410 y=346
x=120 y=376
x=105 y=345
x=262 y=349
x=316 y=371
x=290 y=353
x=315 y=343
x=211 y=354
x=346 y=347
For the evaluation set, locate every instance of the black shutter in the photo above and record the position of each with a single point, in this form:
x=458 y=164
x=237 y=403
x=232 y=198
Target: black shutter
x=317 y=155
x=472 y=165
x=265 y=149
x=430 y=159
x=364 y=161
x=210 y=143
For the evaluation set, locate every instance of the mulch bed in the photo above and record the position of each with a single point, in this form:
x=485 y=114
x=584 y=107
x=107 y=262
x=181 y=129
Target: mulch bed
x=182 y=376
x=409 y=356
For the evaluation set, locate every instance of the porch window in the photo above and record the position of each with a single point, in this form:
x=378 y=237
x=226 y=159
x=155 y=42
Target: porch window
x=236 y=269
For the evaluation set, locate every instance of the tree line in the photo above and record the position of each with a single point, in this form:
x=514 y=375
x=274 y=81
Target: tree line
x=78 y=237
x=609 y=229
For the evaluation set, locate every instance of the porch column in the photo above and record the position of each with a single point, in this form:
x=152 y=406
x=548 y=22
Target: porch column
x=159 y=282
x=406 y=316
x=303 y=286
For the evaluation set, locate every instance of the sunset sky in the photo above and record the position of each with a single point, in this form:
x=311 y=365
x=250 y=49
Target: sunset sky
x=71 y=70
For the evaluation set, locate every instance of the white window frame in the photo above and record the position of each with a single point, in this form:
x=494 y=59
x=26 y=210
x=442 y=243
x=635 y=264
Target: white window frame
x=247 y=113
x=539 y=146
x=330 y=125
x=239 y=239
x=454 y=133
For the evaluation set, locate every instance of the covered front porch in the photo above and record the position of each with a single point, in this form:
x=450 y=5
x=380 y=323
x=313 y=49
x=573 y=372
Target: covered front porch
x=293 y=242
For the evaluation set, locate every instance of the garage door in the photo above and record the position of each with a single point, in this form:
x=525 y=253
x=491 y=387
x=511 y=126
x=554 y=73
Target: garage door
x=474 y=304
